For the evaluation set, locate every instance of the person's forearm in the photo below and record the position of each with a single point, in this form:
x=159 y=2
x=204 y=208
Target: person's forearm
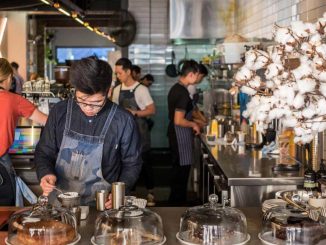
x=38 y=117
x=184 y=123
x=149 y=111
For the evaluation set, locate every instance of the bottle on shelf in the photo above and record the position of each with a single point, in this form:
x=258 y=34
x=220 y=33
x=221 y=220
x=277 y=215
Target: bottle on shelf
x=309 y=183
x=321 y=174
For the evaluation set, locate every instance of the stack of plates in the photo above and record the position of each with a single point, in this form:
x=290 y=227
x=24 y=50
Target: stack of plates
x=271 y=203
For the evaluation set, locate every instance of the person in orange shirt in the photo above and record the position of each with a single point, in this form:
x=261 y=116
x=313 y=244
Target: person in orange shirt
x=13 y=106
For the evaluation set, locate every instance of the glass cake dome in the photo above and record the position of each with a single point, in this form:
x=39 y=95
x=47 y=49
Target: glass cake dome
x=213 y=224
x=42 y=224
x=128 y=225
x=289 y=225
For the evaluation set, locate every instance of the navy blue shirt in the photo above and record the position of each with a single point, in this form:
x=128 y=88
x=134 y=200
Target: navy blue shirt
x=121 y=160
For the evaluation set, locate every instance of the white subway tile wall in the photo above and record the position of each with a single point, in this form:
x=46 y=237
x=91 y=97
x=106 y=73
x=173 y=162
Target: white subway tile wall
x=255 y=18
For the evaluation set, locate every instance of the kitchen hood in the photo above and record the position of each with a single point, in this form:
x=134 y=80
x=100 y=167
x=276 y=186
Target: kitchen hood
x=201 y=19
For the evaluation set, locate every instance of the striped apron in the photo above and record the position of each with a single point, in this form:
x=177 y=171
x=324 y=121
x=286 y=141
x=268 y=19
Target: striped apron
x=185 y=139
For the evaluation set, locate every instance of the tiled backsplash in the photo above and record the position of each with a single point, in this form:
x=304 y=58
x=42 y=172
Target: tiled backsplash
x=255 y=18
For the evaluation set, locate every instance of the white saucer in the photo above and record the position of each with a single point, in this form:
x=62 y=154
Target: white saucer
x=73 y=243
x=94 y=243
x=189 y=243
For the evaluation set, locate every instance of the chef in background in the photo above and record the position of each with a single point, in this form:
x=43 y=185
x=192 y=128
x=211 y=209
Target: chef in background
x=88 y=142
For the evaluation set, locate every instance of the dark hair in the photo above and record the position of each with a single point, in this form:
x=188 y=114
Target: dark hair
x=5 y=69
x=125 y=63
x=136 y=69
x=148 y=77
x=14 y=65
x=91 y=75
x=187 y=66
x=203 y=70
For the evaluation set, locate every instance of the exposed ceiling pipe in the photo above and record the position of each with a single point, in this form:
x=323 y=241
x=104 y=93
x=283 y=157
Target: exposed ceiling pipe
x=74 y=7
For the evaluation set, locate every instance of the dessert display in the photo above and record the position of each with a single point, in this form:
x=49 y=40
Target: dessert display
x=213 y=224
x=42 y=224
x=128 y=225
x=290 y=225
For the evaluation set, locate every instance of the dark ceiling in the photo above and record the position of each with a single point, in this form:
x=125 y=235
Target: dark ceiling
x=85 y=5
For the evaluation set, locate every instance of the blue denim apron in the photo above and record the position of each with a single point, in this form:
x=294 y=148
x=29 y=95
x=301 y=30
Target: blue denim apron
x=79 y=162
x=128 y=101
x=19 y=186
x=185 y=139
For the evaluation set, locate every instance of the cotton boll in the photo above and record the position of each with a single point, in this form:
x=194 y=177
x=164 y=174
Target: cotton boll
x=321 y=106
x=298 y=101
x=303 y=70
x=270 y=84
x=245 y=114
x=322 y=89
x=283 y=36
x=288 y=48
x=311 y=28
x=243 y=74
x=290 y=122
x=320 y=75
x=248 y=90
x=255 y=82
x=276 y=55
x=307 y=138
x=321 y=50
x=307 y=48
x=315 y=39
x=308 y=112
x=261 y=116
x=315 y=126
x=306 y=85
x=250 y=59
x=299 y=131
x=299 y=28
x=297 y=140
x=273 y=70
x=322 y=127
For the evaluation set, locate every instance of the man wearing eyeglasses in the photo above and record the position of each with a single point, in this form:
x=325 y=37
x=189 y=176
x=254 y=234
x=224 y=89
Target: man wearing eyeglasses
x=88 y=142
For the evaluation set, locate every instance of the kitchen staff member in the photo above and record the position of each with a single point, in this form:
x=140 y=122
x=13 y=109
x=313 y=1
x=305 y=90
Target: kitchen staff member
x=181 y=131
x=88 y=141
x=13 y=106
x=136 y=98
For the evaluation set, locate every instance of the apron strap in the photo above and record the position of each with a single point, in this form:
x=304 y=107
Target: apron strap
x=68 y=116
x=108 y=120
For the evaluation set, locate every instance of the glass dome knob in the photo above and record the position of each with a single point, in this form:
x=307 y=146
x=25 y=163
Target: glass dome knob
x=213 y=199
x=42 y=200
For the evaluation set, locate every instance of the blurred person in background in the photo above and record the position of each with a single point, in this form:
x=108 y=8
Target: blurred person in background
x=181 y=131
x=136 y=72
x=13 y=106
x=147 y=80
x=19 y=80
x=136 y=98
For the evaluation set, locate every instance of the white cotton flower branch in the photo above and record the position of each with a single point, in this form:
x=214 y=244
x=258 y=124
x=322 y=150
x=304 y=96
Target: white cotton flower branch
x=294 y=94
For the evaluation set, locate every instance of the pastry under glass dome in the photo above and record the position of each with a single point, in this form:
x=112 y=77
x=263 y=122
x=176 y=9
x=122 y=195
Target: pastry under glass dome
x=288 y=225
x=42 y=224
x=213 y=224
x=128 y=225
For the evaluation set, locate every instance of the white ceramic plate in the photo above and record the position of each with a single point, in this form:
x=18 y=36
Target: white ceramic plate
x=94 y=243
x=73 y=243
x=268 y=239
x=189 y=243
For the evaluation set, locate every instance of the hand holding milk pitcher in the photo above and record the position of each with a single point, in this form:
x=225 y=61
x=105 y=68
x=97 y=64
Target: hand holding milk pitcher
x=115 y=199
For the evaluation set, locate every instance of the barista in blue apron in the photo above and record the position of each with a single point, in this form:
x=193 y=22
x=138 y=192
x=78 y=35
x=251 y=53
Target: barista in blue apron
x=88 y=142
x=181 y=131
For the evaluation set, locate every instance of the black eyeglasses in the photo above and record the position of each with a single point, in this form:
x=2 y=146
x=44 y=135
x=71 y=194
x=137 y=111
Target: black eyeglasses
x=91 y=106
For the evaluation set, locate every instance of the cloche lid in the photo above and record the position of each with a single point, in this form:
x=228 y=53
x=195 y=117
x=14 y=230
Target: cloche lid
x=128 y=225
x=213 y=224
x=42 y=224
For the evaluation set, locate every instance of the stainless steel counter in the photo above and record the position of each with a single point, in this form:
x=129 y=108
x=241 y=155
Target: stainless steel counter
x=246 y=173
x=171 y=219
x=247 y=166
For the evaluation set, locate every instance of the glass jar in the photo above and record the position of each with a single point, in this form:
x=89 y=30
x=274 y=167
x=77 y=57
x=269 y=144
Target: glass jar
x=42 y=224
x=213 y=224
x=128 y=225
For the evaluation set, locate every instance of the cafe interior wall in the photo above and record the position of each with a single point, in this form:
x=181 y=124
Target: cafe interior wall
x=14 y=44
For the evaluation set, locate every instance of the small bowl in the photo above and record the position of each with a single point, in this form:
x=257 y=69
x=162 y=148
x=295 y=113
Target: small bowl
x=69 y=201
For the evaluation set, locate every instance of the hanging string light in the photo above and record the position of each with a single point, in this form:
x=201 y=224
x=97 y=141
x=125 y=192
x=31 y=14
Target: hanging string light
x=75 y=15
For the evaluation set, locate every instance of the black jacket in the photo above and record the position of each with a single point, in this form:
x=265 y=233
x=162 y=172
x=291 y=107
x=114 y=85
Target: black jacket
x=121 y=160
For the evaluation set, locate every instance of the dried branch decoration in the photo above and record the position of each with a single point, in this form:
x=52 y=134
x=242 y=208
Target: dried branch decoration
x=295 y=95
